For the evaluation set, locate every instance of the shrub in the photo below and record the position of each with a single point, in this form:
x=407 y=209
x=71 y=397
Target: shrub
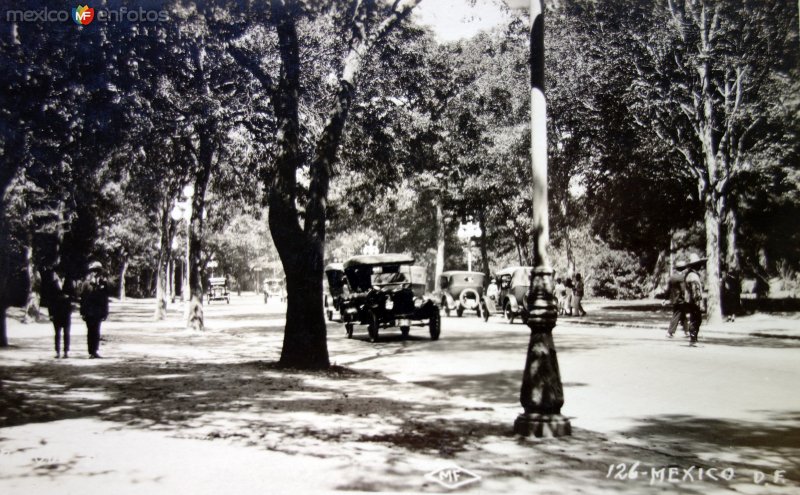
x=618 y=275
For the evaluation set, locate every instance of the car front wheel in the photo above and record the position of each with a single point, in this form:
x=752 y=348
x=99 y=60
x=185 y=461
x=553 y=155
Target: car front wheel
x=435 y=326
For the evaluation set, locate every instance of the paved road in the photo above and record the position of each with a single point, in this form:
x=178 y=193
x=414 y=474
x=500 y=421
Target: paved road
x=614 y=377
x=730 y=402
x=732 y=399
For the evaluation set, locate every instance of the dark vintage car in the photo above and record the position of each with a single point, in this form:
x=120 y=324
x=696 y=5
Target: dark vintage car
x=217 y=290
x=510 y=300
x=387 y=290
x=337 y=289
x=461 y=291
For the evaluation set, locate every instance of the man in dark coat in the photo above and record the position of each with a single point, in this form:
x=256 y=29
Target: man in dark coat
x=58 y=294
x=94 y=305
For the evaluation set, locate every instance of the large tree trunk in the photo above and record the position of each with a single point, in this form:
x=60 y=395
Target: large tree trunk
x=162 y=276
x=731 y=252
x=440 y=245
x=206 y=159
x=32 y=299
x=712 y=223
x=301 y=249
x=123 y=271
x=484 y=247
x=3 y=332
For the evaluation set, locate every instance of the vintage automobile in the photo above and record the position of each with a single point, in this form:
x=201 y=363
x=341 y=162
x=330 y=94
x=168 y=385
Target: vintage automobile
x=461 y=291
x=217 y=290
x=337 y=289
x=510 y=300
x=387 y=290
x=273 y=289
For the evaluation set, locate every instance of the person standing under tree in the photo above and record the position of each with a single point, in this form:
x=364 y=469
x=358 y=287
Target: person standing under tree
x=677 y=290
x=59 y=293
x=94 y=305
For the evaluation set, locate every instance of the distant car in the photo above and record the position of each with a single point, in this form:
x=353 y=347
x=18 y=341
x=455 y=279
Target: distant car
x=337 y=289
x=217 y=290
x=273 y=288
x=461 y=291
x=387 y=290
x=510 y=301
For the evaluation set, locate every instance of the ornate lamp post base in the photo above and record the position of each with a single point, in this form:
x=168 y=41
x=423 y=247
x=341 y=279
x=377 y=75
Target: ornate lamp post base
x=542 y=393
x=542 y=425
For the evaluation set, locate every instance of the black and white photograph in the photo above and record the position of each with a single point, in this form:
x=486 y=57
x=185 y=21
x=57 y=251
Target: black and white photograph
x=399 y=246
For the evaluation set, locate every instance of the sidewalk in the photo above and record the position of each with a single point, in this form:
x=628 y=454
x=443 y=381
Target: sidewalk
x=651 y=314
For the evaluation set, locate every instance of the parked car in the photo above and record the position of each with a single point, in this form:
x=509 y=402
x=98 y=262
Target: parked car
x=461 y=291
x=511 y=302
x=217 y=290
x=337 y=289
x=387 y=290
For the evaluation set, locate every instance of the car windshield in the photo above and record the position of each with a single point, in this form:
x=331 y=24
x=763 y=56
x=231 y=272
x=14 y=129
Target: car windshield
x=363 y=277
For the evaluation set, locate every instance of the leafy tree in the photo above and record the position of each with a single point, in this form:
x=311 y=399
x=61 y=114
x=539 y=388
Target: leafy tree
x=697 y=87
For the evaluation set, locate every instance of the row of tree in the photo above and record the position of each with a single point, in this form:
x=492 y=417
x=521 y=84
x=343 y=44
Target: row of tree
x=665 y=118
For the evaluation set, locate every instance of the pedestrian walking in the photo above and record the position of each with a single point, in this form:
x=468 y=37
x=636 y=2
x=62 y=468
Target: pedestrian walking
x=577 y=296
x=568 y=296
x=676 y=286
x=695 y=304
x=94 y=305
x=731 y=294
x=58 y=293
x=561 y=295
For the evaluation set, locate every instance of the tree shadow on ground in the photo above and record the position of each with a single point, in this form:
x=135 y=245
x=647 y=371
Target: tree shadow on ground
x=769 y=444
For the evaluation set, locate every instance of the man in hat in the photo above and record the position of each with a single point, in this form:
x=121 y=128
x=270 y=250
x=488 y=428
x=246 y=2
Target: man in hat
x=94 y=305
x=694 y=296
x=676 y=287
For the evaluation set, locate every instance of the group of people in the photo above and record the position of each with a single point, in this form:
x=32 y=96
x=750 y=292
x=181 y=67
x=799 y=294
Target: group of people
x=58 y=295
x=569 y=295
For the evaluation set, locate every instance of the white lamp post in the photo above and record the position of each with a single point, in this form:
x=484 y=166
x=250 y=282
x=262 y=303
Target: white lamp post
x=182 y=210
x=466 y=231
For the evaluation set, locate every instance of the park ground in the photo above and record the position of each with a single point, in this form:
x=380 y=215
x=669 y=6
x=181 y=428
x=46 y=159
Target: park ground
x=169 y=410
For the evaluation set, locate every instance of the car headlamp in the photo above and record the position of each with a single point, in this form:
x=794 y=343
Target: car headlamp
x=389 y=304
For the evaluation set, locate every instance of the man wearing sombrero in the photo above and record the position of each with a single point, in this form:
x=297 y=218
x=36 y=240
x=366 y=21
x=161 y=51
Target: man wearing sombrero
x=694 y=302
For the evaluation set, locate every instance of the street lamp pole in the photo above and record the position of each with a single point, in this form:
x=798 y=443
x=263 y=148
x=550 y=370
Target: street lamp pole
x=466 y=231
x=542 y=393
x=183 y=211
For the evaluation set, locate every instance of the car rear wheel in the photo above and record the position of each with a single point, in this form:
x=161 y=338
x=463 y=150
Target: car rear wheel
x=348 y=327
x=373 y=327
x=435 y=326
x=445 y=307
x=460 y=311
x=485 y=310
x=405 y=331
x=508 y=313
